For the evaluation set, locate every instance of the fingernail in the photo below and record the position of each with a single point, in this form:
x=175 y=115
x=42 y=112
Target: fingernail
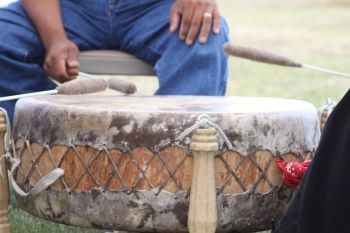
x=182 y=37
x=216 y=30
x=189 y=42
x=172 y=29
x=203 y=39
x=73 y=63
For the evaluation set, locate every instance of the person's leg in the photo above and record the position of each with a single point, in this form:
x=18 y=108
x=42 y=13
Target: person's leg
x=142 y=28
x=22 y=53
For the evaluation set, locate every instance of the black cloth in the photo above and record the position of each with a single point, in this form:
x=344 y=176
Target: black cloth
x=322 y=201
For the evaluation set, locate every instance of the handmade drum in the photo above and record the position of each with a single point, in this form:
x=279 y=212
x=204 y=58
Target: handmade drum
x=125 y=167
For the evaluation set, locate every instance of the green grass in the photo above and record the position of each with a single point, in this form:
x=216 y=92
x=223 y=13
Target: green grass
x=312 y=32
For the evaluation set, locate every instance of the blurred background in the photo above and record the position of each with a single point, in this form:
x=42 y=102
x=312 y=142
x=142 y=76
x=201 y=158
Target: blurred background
x=5 y=2
x=311 y=31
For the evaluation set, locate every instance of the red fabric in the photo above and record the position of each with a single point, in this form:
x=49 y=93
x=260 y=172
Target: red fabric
x=292 y=172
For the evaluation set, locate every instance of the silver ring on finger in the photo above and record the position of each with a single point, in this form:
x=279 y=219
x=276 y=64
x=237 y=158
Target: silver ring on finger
x=207 y=15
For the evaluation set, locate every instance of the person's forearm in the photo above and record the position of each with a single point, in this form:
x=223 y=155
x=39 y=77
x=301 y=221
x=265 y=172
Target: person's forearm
x=46 y=17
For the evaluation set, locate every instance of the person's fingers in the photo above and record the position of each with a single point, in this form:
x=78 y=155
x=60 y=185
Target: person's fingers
x=72 y=62
x=175 y=17
x=216 y=21
x=61 y=61
x=60 y=69
x=186 y=22
x=56 y=69
x=195 y=26
x=72 y=72
x=206 y=26
x=73 y=56
x=72 y=67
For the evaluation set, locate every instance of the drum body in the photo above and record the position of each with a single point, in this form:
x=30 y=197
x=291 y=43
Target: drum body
x=125 y=168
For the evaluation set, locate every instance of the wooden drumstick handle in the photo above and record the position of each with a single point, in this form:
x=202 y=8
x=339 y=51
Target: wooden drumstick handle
x=202 y=216
x=259 y=55
x=4 y=188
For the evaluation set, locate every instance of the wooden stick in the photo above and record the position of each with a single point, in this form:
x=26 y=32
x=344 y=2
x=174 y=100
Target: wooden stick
x=327 y=71
x=202 y=216
x=14 y=97
x=4 y=188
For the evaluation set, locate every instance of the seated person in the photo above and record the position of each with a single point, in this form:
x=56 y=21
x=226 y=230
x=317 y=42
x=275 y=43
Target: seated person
x=181 y=39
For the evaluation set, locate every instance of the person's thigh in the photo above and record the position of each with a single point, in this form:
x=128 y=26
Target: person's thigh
x=22 y=52
x=21 y=56
x=142 y=28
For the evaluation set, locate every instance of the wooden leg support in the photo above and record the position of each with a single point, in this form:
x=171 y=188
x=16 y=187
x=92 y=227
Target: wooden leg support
x=4 y=188
x=202 y=216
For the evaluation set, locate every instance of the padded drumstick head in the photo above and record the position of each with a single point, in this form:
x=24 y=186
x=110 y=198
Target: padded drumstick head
x=77 y=87
x=259 y=55
x=122 y=86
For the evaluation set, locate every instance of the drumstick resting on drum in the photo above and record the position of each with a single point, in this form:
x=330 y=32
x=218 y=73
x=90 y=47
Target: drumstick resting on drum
x=271 y=58
x=75 y=87
x=120 y=85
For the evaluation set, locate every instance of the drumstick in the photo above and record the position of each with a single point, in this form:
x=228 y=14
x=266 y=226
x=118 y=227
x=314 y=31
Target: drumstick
x=120 y=85
x=123 y=86
x=271 y=58
x=75 y=87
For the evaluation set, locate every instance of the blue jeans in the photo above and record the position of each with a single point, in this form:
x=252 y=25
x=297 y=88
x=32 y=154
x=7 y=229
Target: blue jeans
x=135 y=26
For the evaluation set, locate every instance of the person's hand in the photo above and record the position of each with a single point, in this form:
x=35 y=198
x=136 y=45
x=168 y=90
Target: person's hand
x=195 y=19
x=61 y=61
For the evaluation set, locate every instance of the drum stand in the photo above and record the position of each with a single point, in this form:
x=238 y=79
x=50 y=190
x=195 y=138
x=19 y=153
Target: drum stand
x=4 y=188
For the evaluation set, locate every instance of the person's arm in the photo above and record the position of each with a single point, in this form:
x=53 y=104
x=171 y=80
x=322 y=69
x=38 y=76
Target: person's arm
x=195 y=18
x=61 y=61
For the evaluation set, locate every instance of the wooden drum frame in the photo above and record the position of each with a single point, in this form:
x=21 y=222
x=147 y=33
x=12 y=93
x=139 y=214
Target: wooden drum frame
x=160 y=164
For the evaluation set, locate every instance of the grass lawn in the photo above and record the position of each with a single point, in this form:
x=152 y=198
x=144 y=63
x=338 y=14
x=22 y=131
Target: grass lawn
x=312 y=32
